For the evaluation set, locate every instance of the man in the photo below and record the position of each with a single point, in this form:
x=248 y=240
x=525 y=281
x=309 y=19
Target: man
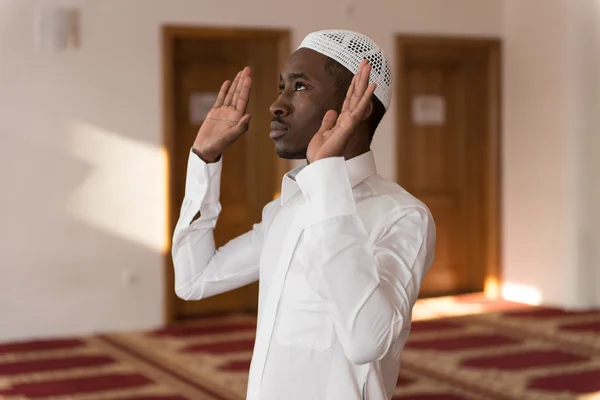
x=340 y=255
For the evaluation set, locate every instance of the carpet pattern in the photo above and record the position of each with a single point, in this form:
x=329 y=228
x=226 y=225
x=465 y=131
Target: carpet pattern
x=530 y=353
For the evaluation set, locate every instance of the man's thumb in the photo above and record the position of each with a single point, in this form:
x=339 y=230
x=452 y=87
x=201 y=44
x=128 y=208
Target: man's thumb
x=329 y=120
x=239 y=129
x=244 y=122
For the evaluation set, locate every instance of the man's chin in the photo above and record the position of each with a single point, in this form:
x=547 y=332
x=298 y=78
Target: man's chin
x=290 y=154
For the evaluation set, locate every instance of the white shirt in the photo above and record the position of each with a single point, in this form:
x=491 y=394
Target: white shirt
x=340 y=256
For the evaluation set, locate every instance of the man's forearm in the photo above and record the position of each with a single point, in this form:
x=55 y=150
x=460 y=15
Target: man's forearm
x=367 y=283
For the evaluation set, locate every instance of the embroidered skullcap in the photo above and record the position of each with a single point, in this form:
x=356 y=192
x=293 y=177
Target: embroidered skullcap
x=349 y=49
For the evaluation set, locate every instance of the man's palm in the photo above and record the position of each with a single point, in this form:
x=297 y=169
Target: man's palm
x=226 y=121
x=336 y=131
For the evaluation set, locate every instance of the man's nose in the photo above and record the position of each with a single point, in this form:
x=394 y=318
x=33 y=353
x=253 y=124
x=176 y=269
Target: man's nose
x=280 y=108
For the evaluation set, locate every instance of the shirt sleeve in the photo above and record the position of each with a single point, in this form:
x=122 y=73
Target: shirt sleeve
x=369 y=282
x=201 y=270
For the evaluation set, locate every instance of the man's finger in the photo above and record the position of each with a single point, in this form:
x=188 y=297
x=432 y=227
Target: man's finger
x=236 y=94
x=238 y=89
x=351 y=101
x=363 y=105
x=349 y=94
x=363 y=83
x=244 y=96
x=360 y=85
x=222 y=94
x=231 y=90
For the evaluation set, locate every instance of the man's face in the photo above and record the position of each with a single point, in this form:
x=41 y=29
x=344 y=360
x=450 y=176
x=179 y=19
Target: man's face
x=307 y=92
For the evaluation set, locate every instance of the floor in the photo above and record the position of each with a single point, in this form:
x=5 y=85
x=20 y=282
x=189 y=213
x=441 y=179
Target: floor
x=467 y=348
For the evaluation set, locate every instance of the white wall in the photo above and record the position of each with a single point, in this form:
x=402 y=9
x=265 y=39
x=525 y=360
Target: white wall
x=81 y=164
x=551 y=149
x=586 y=31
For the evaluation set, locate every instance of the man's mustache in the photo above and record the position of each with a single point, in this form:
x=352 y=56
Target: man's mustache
x=278 y=124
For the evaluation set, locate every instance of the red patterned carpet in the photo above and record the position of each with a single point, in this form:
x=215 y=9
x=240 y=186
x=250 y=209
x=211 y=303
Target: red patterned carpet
x=530 y=353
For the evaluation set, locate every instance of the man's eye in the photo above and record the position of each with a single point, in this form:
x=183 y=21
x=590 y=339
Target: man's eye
x=300 y=86
x=281 y=88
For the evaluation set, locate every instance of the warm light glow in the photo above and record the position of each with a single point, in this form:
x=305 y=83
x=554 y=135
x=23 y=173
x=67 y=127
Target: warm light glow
x=452 y=306
x=492 y=288
x=124 y=192
x=521 y=294
x=590 y=396
x=440 y=307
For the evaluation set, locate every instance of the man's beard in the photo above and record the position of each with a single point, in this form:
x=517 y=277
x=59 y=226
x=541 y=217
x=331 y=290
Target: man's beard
x=291 y=155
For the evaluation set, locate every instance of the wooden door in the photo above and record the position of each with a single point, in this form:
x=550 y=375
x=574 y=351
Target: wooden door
x=251 y=171
x=448 y=111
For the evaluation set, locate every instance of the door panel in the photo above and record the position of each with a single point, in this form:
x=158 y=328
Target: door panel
x=443 y=153
x=250 y=167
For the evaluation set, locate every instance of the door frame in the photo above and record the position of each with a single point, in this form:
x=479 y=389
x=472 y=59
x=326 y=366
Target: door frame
x=169 y=34
x=493 y=47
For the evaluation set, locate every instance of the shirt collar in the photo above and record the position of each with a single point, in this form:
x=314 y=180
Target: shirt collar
x=359 y=169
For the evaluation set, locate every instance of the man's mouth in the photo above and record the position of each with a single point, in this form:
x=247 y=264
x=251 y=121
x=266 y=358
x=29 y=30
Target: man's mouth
x=278 y=129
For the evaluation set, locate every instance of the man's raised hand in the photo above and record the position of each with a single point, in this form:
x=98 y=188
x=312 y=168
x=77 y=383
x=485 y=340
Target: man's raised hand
x=227 y=120
x=336 y=131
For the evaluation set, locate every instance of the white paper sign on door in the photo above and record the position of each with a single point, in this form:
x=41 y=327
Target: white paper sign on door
x=200 y=105
x=429 y=110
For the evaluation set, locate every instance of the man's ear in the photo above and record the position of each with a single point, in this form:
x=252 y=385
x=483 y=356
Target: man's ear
x=368 y=111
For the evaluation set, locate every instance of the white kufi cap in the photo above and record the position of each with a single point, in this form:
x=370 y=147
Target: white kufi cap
x=349 y=49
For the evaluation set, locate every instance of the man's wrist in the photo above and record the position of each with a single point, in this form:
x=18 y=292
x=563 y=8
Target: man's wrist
x=208 y=159
x=203 y=180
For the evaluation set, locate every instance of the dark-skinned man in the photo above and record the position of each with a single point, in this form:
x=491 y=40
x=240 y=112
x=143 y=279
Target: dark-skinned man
x=340 y=255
